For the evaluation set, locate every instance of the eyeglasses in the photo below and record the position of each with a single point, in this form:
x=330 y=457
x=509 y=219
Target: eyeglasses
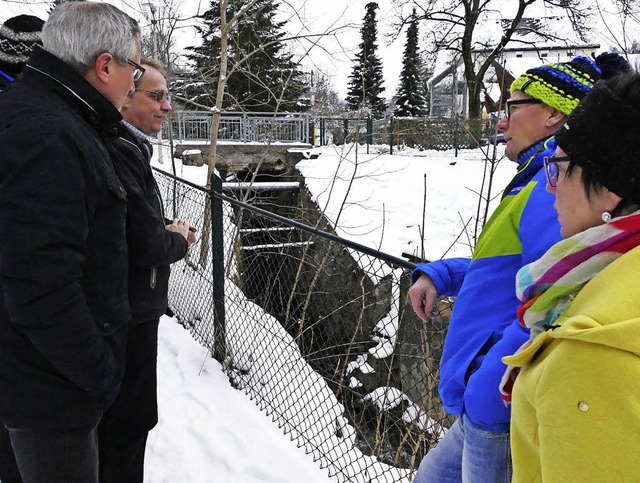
x=138 y=70
x=517 y=102
x=158 y=96
x=551 y=168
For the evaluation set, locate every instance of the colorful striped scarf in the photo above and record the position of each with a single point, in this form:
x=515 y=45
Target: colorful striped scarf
x=547 y=286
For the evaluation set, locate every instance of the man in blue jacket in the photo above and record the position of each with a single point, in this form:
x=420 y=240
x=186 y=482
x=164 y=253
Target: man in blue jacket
x=483 y=326
x=64 y=309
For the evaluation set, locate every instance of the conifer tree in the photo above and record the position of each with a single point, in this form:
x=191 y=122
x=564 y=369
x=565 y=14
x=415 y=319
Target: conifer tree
x=410 y=99
x=365 y=81
x=262 y=75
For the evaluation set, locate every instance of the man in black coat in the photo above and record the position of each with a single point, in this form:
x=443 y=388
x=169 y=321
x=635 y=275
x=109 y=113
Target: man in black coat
x=64 y=309
x=154 y=243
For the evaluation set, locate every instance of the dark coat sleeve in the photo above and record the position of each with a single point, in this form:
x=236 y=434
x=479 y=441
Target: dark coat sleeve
x=150 y=243
x=45 y=218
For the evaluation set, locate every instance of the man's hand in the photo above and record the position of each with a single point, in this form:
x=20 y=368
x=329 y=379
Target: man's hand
x=423 y=297
x=184 y=229
x=191 y=236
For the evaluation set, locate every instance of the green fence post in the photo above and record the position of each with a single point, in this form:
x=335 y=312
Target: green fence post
x=217 y=260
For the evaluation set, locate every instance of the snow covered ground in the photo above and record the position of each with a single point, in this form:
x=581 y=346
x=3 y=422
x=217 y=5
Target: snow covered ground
x=210 y=432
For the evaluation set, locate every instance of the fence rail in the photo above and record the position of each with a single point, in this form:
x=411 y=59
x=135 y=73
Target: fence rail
x=240 y=127
x=314 y=328
x=396 y=132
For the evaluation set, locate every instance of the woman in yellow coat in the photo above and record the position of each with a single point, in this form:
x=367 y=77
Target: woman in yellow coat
x=575 y=386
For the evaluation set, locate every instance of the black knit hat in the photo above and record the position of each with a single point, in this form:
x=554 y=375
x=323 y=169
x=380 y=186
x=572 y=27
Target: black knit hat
x=18 y=36
x=601 y=135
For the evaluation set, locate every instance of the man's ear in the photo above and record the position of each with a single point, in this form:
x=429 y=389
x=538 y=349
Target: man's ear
x=555 y=119
x=102 y=67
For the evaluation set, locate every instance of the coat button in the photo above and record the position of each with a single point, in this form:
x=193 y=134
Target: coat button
x=106 y=326
x=583 y=406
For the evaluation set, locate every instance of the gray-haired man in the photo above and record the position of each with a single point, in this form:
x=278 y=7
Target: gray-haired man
x=64 y=308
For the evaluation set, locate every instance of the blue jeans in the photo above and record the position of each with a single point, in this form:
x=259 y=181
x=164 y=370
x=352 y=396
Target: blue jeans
x=56 y=456
x=468 y=454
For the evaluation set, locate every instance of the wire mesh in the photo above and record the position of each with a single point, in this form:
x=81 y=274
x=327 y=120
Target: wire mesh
x=318 y=333
x=415 y=132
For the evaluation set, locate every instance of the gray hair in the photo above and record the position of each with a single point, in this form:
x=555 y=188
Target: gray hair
x=78 y=32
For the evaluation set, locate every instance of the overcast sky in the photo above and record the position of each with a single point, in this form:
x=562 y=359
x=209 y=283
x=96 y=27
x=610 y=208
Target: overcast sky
x=333 y=56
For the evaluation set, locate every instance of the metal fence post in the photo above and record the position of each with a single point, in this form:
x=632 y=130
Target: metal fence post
x=455 y=134
x=345 y=127
x=391 y=126
x=217 y=258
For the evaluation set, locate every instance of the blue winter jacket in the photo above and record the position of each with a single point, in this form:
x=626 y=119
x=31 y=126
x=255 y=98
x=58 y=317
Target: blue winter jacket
x=483 y=326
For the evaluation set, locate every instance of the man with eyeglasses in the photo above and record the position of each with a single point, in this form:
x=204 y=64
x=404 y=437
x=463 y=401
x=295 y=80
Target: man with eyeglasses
x=483 y=326
x=154 y=243
x=64 y=309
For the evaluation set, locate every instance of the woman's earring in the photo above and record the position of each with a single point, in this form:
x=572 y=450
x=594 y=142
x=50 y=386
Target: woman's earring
x=606 y=217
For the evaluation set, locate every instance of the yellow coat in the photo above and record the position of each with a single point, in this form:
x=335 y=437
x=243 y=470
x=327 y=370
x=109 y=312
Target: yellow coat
x=576 y=402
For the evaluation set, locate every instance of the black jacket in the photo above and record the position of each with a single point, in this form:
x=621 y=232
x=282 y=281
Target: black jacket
x=151 y=246
x=64 y=308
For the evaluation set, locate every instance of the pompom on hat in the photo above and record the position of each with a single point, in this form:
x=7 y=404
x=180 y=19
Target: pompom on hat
x=18 y=36
x=563 y=85
x=601 y=135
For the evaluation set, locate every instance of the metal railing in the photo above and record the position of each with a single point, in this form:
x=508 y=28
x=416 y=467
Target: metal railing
x=239 y=127
x=316 y=329
x=397 y=132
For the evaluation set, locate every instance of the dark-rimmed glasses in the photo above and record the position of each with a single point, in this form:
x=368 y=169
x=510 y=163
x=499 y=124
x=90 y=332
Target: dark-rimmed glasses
x=158 y=96
x=518 y=102
x=138 y=70
x=551 y=168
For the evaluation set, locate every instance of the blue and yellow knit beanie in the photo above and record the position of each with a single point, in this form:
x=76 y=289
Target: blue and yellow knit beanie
x=562 y=85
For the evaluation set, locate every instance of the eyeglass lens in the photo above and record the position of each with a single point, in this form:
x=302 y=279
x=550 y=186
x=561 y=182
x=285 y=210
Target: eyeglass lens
x=138 y=70
x=552 y=172
x=158 y=96
x=516 y=102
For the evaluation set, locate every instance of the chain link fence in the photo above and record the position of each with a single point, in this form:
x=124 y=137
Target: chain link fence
x=317 y=330
x=397 y=132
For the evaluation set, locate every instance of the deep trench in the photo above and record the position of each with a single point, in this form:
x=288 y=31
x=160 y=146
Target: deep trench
x=329 y=305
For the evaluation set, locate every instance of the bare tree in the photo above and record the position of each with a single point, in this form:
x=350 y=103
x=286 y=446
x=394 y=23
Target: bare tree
x=619 y=21
x=456 y=26
x=166 y=20
x=327 y=101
